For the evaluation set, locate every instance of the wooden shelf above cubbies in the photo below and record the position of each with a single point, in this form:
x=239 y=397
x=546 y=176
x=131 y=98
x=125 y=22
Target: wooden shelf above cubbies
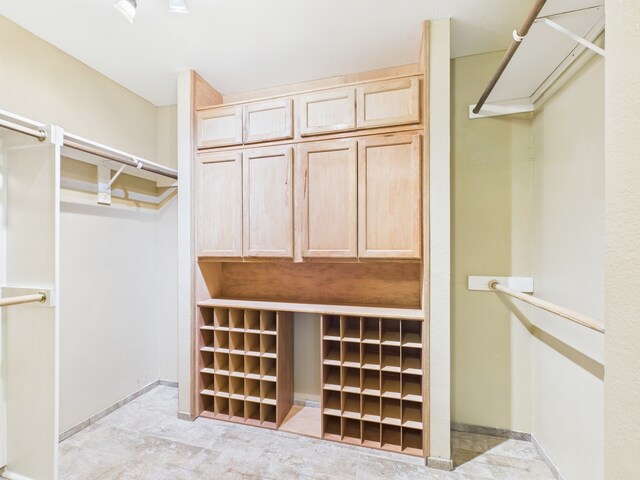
x=351 y=310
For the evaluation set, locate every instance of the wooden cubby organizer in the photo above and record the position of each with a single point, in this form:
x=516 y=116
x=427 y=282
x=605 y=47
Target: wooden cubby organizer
x=245 y=356
x=372 y=382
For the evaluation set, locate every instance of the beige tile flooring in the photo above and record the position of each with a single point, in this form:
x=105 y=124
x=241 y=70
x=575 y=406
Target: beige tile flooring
x=144 y=440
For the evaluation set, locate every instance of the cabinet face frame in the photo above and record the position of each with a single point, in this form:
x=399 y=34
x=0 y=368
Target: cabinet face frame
x=286 y=132
x=414 y=250
x=285 y=155
x=235 y=115
x=348 y=123
x=232 y=214
x=349 y=198
x=363 y=91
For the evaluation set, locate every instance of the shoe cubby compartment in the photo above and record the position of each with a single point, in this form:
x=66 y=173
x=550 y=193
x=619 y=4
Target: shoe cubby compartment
x=390 y=412
x=351 y=380
x=252 y=412
x=390 y=332
x=390 y=358
x=351 y=431
x=268 y=345
x=332 y=352
x=331 y=402
x=350 y=329
x=221 y=340
x=236 y=342
x=371 y=408
x=252 y=390
x=412 y=441
x=332 y=428
x=252 y=367
x=412 y=361
x=350 y=354
x=252 y=344
x=220 y=318
x=371 y=434
x=370 y=357
x=236 y=365
x=372 y=382
x=268 y=322
x=331 y=327
x=236 y=320
x=411 y=333
x=239 y=357
x=252 y=321
x=331 y=378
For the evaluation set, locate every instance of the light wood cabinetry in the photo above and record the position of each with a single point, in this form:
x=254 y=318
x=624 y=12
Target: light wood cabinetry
x=219 y=204
x=270 y=120
x=268 y=204
x=327 y=194
x=327 y=111
x=392 y=102
x=389 y=197
x=219 y=127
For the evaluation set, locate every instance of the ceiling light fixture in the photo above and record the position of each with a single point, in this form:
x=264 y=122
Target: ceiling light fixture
x=178 y=6
x=127 y=8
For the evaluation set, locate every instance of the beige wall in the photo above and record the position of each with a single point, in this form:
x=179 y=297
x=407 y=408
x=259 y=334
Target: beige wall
x=568 y=269
x=622 y=240
x=118 y=280
x=491 y=231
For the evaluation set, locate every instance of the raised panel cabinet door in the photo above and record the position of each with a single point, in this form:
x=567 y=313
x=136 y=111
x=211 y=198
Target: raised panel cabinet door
x=327 y=111
x=389 y=197
x=387 y=103
x=219 y=127
x=219 y=205
x=328 y=181
x=269 y=120
x=268 y=203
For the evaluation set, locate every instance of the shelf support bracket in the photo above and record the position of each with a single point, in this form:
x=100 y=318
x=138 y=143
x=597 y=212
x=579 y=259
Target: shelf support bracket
x=105 y=181
x=565 y=31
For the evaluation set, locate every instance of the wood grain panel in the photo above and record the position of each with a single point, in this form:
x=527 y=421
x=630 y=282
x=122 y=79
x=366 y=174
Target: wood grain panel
x=271 y=120
x=218 y=127
x=381 y=284
x=327 y=187
x=327 y=111
x=394 y=102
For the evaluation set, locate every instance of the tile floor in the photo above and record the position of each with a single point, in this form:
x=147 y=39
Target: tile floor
x=144 y=440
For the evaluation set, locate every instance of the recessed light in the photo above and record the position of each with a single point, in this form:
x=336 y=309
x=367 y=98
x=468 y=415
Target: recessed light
x=127 y=8
x=178 y=6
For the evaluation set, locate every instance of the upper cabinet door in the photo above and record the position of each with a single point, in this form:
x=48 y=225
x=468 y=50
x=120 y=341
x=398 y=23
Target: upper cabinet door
x=270 y=120
x=393 y=102
x=219 y=206
x=268 y=204
x=327 y=111
x=389 y=200
x=219 y=127
x=327 y=189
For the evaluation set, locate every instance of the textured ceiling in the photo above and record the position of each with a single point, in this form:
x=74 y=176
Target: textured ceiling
x=240 y=45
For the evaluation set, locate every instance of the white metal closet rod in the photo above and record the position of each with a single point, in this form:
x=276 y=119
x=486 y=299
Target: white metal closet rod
x=549 y=307
x=41 y=135
x=40 y=297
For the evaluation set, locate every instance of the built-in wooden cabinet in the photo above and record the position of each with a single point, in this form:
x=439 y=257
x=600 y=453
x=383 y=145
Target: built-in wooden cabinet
x=219 y=127
x=327 y=111
x=269 y=120
x=268 y=202
x=389 y=197
x=327 y=193
x=219 y=205
x=392 y=102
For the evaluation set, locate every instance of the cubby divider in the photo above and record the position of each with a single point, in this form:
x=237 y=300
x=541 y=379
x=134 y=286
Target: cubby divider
x=252 y=321
x=236 y=320
x=220 y=318
x=350 y=329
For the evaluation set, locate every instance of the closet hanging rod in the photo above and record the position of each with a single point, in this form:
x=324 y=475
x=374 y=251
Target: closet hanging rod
x=518 y=35
x=121 y=158
x=549 y=307
x=39 y=297
x=41 y=135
